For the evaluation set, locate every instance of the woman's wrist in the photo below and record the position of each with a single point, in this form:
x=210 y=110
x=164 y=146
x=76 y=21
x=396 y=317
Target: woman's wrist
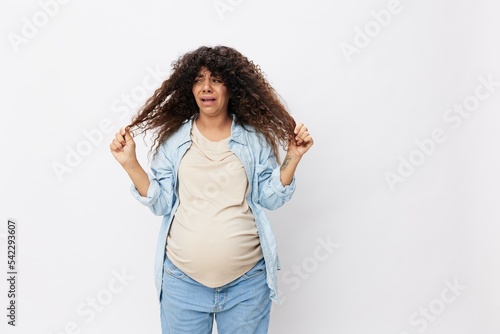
x=131 y=165
x=288 y=167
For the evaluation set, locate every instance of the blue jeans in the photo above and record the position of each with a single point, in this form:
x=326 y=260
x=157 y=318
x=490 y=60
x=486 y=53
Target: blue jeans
x=242 y=306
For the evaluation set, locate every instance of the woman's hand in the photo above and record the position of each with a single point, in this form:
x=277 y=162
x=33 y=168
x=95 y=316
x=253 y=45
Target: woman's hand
x=302 y=143
x=123 y=148
x=296 y=149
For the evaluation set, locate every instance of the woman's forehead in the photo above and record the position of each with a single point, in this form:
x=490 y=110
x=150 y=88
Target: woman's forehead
x=204 y=71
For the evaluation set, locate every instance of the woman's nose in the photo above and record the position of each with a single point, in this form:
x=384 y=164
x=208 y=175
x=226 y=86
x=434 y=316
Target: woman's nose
x=206 y=86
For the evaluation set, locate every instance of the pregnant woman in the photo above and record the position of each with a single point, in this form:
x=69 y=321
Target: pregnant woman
x=218 y=126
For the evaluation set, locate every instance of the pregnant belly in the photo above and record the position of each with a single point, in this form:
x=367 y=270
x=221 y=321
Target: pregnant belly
x=214 y=252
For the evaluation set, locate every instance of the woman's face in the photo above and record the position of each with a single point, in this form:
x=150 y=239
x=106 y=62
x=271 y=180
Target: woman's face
x=210 y=93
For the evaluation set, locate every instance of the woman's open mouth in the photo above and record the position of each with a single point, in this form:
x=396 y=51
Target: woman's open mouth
x=208 y=101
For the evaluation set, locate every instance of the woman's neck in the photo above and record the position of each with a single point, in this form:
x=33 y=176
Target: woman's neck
x=214 y=128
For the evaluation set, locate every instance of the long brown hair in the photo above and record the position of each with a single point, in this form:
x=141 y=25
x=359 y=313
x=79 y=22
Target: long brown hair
x=253 y=100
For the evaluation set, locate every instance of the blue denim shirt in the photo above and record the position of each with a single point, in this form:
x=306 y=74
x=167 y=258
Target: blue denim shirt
x=266 y=190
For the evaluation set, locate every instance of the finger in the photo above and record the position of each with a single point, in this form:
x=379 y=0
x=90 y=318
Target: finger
x=298 y=127
x=302 y=131
x=120 y=138
x=308 y=141
x=128 y=136
x=114 y=148
x=118 y=147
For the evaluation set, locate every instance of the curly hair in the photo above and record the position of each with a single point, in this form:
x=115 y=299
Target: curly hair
x=252 y=99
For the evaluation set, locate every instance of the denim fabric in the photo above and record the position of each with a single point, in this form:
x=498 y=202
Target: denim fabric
x=242 y=306
x=266 y=190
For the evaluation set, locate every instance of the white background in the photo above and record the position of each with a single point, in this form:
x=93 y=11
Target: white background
x=398 y=249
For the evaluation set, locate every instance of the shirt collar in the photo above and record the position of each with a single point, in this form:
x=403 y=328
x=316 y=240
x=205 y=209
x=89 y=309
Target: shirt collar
x=237 y=130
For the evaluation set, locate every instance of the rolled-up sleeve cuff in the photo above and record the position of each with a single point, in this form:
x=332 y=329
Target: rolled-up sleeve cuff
x=278 y=187
x=152 y=195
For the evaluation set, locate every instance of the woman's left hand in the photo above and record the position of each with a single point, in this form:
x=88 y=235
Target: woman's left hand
x=302 y=143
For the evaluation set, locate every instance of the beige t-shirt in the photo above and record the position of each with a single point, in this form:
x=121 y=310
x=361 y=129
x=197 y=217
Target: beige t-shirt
x=213 y=237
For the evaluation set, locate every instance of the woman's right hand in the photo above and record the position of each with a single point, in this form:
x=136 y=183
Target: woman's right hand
x=123 y=148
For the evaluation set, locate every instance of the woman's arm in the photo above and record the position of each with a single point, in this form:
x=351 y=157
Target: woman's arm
x=296 y=149
x=123 y=149
x=157 y=191
x=276 y=184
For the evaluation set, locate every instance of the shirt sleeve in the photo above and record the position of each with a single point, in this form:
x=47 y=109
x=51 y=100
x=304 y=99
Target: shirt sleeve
x=272 y=193
x=161 y=195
